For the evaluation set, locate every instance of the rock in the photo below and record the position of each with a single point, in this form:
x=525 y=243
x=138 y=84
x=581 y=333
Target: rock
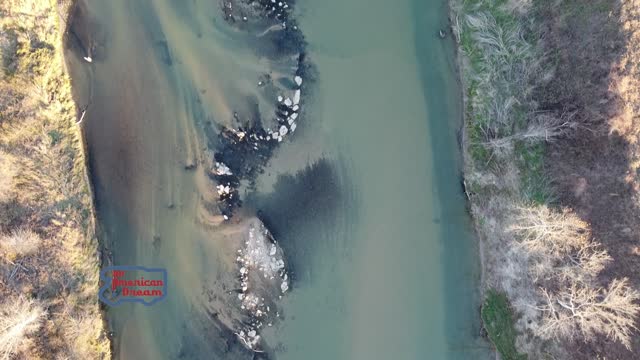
x=283 y=130
x=290 y=121
x=296 y=97
x=293 y=127
x=295 y=107
x=284 y=286
x=280 y=98
x=221 y=169
x=298 y=80
x=190 y=165
x=288 y=102
x=223 y=190
x=294 y=116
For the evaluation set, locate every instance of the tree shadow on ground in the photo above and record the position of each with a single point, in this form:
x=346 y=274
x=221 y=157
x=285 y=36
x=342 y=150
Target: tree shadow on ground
x=591 y=47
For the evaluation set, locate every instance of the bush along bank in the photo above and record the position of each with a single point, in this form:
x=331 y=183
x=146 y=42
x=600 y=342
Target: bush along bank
x=49 y=263
x=541 y=264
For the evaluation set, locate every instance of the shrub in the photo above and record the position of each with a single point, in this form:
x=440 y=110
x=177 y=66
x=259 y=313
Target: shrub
x=20 y=243
x=20 y=318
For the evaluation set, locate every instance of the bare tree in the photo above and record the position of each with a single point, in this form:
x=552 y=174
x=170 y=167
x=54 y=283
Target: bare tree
x=584 y=264
x=542 y=127
x=544 y=231
x=559 y=243
x=581 y=311
x=19 y=319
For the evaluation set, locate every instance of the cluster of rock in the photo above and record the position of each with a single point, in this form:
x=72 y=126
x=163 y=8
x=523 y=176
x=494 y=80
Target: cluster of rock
x=287 y=113
x=263 y=278
x=243 y=152
x=240 y=154
x=273 y=9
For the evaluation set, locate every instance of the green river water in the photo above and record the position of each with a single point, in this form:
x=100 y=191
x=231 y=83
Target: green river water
x=365 y=199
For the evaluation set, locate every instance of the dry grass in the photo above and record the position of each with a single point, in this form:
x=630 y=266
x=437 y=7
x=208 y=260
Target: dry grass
x=21 y=242
x=8 y=170
x=20 y=319
x=46 y=192
x=625 y=82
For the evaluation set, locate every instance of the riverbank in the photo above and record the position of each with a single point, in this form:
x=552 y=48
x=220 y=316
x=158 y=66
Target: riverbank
x=49 y=259
x=550 y=147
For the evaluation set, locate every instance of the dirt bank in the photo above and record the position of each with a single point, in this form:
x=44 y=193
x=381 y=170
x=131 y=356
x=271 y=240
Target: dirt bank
x=48 y=248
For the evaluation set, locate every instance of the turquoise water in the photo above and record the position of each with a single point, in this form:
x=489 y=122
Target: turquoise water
x=402 y=272
x=365 y=199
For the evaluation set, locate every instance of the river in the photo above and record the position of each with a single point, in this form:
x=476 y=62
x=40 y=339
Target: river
x=365 y=199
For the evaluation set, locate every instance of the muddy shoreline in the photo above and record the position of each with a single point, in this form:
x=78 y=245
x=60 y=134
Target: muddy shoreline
x=70 y=39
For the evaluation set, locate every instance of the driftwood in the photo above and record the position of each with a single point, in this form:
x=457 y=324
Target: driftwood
x=84 y=112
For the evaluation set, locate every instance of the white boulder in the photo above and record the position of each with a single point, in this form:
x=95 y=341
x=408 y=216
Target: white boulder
x=296 y=97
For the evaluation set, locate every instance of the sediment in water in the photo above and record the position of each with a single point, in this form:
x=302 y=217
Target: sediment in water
x=239 y=149
x=240 y=154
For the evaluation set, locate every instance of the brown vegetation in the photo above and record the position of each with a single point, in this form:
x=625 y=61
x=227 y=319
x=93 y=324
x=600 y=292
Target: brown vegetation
x=597 y=77
x=565 y=265
x=552 y=160
x=19 y=320
x=48 y=250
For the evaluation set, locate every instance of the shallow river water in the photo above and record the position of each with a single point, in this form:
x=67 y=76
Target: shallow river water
x=364 y=198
